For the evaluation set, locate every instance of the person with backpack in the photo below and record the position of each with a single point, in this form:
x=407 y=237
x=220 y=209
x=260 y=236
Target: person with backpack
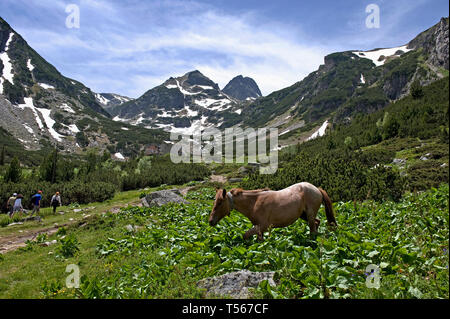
x=10 y=204
x=36 y=201
x=56 y=201
x=17 y=205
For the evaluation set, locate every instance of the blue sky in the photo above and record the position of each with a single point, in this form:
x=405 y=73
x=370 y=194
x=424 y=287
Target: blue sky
x=130 y=46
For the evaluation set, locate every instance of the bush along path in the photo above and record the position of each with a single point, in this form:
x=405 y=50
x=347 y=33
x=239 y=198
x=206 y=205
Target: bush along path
x=163 y=252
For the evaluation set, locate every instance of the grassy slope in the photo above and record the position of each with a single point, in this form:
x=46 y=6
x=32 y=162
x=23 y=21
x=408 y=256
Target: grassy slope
x=174 y=247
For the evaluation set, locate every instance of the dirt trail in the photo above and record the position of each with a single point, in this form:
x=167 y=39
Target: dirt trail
x=15 y=241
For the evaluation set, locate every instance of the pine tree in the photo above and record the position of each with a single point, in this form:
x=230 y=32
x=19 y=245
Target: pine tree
x=48 y=169
x=416 y=90
x=13 y=173
x=54 y=165
x=2 y=156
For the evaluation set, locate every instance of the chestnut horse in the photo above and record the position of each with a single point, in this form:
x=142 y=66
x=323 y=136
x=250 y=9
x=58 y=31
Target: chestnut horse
x=268 y=209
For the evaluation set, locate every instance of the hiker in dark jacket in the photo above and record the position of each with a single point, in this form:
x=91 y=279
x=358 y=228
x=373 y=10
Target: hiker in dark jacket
x=56 y=201
x=36 y=200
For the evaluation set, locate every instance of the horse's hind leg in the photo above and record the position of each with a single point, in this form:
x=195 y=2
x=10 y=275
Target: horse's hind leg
x=313 y=224
x=317 y=224
x=260 y=233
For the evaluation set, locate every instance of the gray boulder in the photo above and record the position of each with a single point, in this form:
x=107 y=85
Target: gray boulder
x=163 y=197
x=243 y=170
x=399 y=161
x=236 y=284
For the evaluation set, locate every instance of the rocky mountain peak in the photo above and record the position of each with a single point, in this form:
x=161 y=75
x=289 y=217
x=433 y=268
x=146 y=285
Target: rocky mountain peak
x=242 y=88
x=434 y=41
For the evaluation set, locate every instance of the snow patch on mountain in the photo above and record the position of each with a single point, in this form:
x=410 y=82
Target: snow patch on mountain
x=183 y=90
x=50 y=122
x=30 y=66
x=320 y=131
x=7 y=73
x=46 y=86
x=375 y=55
x=205 y=87
x=119 y=156
x=190 y=112
x=122 y=98
x=29 y=104
x=29 y=129
x=73 y=128
x=66 y=108
x=102 y=99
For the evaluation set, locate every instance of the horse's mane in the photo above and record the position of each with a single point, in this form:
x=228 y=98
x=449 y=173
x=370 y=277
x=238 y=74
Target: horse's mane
x=238 y=191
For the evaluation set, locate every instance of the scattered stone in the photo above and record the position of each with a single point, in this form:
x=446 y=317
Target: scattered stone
x=115 y=210
x=243 y=170
x=236 y=284
x=61 y=213
x=399 y=161
x=425 y=157
x=71 y=219
x=86 y=217
x=235 y=180
x=18 y=223
x=48 y=243
x=131 y=228
x=163 y=197
x=175 y=190
x=77 y=210
x=444 y=165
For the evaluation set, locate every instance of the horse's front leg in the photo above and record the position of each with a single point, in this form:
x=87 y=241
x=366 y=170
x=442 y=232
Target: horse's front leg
x=257 y=229
x=252 y=231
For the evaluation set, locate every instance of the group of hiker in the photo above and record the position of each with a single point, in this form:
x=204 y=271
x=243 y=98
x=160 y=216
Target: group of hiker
x=14 y=204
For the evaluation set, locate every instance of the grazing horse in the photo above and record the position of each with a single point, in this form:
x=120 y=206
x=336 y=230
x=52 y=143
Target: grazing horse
x=268 y=209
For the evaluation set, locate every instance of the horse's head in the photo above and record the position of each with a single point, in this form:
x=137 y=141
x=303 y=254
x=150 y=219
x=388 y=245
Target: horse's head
x=221 y=207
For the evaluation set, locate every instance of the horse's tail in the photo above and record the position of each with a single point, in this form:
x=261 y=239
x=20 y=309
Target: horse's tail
x=328 y=208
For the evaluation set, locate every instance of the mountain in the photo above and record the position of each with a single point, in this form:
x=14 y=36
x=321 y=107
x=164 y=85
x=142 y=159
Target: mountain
x=180 y=104
x=242 y=88
x=40 y=107
x=349 y=83
x=110 y=100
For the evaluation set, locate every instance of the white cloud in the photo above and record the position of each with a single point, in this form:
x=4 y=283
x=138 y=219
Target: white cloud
x=220 y=45
x=128 y=48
